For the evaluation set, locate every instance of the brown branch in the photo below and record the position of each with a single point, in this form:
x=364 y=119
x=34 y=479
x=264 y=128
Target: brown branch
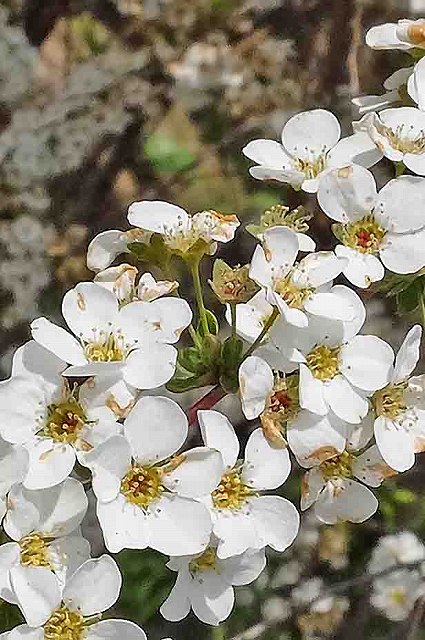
x=208 y=401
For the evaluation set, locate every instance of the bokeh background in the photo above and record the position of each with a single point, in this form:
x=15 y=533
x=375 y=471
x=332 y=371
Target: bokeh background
x=103 y=102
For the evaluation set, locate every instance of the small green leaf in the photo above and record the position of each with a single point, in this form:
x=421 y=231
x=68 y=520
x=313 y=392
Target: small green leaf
x=213 y=325
x=153 y=252
x=231 y=355
x=167 y=155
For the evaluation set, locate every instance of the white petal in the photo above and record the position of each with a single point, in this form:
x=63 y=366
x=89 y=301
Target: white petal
x=351 y=501
x=281 y=248
x=150 y=366
x=395 y=445
x=31 y=359
x=213 y=602
x=400 y=204
x=49 y=463
x=328 y=305
x=361 y=434
x=250 y=317
x=24 y=632
x=408 y=355
x=244 y=569
x=9 y=557
x=366 y=361
x=314 y=438
x=109 y=369
x=305 y=242
x=260 y=269
x=90 y=307
x=310 y=134
x=403 y=252
x=179 y=526
x=255 y=383
x=54 y=512
x=311 y=485
x=317 y=269
x=13 y=465
x=175 y=315
x=371 y=468
x=384 y=36
x=67 y=554
x=198 y=475
x=350 y=298
x=265 y=467
x=357 y=148
x=115 y=630
x=156 y=215
x=277 y=521
x=124 y=525
x=109 y=462
x=104 y=248
x=156 y=428
x=295 y=317
x=38 y=593
x=236 y=532
x=345 y=401
x=290 y=176
x=58 y=341
x=94 y=587
x=311 y=392
x=269 y=153
x=362 y=268
x=108 y=391
x=415 y=162
x=347 y=193
x=218 y=433
x=177 y=605
x=22 y=402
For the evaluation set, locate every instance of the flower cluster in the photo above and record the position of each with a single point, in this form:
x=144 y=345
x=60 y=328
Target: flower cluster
x=94 y=400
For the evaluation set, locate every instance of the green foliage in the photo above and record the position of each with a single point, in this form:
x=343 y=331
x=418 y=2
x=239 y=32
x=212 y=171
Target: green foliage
x=153 y=252
x=167 y=155
x=230 y=358
x=213 y=326
x=197 y=366
x=408 y=290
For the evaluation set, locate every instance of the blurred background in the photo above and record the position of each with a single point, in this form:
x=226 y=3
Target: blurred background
x=103 y=102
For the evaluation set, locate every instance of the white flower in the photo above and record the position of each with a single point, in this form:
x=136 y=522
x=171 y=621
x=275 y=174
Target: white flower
x=121 y=280
x=310 y=146
x=393 y=550
x=395 y=86
x=134 y=340
x=45 y=527
x=376 y=228
x=300 y=289
x=399 y=133
x=416 y=84
x=106 y=246
x=74 y=611
x=276 y=400
x=145 y=492
x=13 y=469
x=51 y=420
x=251 y=316
x=332 y=485
x=205 y=583
x=399 y=408
x=404 y=34
x=180 y=231
x=395 y=594
x=242 y=517
x=338 y=369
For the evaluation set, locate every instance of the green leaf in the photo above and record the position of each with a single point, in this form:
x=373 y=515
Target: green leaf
x=167 y=155
x=213 y=325
x=231 y=355
x=408 y=300
x=153 y=252
x=182 y=384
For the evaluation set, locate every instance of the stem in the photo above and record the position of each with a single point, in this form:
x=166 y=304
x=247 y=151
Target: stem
x=399 y=169
x=194 y=268
x=195 y=338
x=217 y=633
x=233 y=315
x=206 y=402
x=267 y=326
x=422 y=306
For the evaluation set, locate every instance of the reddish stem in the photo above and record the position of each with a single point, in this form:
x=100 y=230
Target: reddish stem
x=206 y=402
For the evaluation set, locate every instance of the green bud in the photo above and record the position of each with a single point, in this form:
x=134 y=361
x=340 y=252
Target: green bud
x=232 y=285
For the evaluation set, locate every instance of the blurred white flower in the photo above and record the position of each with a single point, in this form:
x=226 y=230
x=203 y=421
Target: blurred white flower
x=395 y=594
x=393 y=550
x=396 y=86
x=404 y=34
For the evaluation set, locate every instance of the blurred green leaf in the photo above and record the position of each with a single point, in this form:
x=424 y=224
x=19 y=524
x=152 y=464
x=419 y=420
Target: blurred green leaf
x=167 y=155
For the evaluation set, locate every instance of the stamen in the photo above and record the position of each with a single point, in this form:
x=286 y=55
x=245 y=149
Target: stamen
x=231 y=493
x=206 y=562
x=323 y=362
x=64 y=624
x=401 y=138
x=108 y=347
x=337 y=467
x=390 y=402
x=65 y=420
x=142 y=485
x=364 y=235
x=34 y=551
x=311 y=168
x=292 y=295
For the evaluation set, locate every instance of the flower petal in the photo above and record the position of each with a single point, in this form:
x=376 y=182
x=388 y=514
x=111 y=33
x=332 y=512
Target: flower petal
x=277 y=521
x=265 y=467
x=37 y=591
x=157 y=216
x=280 y=248
x=345 y=401
x=104 y=248
x=366 y=362
x=179 y=526
x=357 y=148
x=408 y=355
x=151 y=365
x=218 y=433
x=268 y=153
x=362 y=268
x=311 y=392
x=371 y=468
x=109 y=462
x=314 y=438
x=255 y=384
x=351 y=501
x=395 y=445
x=82 y=592
x=213 y=601
x=310 y=134
x=347 y=193
x=317 y=269
x=400 y=204
x=177 y=605
x=49 y=463
x=403 y=252
x=89 y=309
x=115 y=630
x=31 y=359
x=198 y=474
x=124 y=525
x=156 y=428
x=58 y=341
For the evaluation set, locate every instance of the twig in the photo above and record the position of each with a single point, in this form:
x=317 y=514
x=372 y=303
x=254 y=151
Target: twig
x=206 y=402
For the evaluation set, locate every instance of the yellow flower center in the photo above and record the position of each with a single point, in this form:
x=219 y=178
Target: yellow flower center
x=205 y=562
x=401 y=138
x=389 y=402
x=107 y=348
x=337 y=467
x=64 y=421
x=416 y=34
x=398 y=596
x=364 y=235
x=323 y=362
x=294 y=296
x=34 y=551
x=311 y=168
x=64 y=624
x=142 y=485
x=231 y=493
